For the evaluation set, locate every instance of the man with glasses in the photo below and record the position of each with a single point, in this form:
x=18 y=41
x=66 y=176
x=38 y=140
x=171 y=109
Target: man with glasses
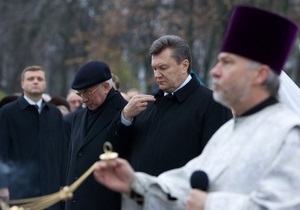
x=93 y=83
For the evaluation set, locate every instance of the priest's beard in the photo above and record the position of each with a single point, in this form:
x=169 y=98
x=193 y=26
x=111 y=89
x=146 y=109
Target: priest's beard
x=232 y=98
x=220 y=100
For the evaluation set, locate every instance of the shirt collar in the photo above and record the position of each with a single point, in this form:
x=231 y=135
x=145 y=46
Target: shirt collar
x=189 y=77
x=31 y=102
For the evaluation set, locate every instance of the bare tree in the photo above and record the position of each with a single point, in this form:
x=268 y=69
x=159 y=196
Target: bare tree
x=63 y=34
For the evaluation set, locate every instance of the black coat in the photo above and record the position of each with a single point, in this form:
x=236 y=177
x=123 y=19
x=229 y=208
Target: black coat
x=171 y=131
x=4 y=175
x=85 y=148
x=68 y=119
x=33 y=145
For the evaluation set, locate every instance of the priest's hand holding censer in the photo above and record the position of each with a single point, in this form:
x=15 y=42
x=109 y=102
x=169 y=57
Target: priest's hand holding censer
x=43 y=202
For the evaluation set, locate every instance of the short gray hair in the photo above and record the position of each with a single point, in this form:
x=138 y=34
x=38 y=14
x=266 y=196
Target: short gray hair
x=110 y=82
x=272 y=82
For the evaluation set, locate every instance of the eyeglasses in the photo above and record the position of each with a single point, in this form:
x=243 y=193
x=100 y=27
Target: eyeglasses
x=87 y=94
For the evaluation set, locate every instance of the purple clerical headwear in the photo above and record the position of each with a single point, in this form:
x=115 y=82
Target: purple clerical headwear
x=260 y=35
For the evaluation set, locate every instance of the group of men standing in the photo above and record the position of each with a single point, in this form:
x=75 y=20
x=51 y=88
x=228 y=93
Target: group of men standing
x=160 y=131
x=155 y=132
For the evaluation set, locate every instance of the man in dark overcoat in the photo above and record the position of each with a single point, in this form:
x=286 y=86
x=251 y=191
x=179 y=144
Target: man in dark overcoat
x=32 y=141
x=165 y=130
x=93 y=82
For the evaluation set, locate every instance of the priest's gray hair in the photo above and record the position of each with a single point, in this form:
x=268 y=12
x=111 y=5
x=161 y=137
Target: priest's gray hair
x=272 y=82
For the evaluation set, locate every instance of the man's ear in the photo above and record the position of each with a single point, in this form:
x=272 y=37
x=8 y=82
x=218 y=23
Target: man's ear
x=106 y=86
x=185 y=63
x=22 y=82
x=262 y=74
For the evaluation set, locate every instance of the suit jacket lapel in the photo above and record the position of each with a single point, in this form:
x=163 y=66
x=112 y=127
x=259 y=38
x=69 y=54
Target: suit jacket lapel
x=101 y=123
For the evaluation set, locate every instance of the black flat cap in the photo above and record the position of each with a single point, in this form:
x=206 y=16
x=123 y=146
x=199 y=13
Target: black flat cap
x=90 y=74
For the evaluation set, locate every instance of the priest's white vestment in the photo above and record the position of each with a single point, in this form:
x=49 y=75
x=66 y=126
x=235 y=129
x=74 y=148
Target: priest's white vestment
x=253 y=162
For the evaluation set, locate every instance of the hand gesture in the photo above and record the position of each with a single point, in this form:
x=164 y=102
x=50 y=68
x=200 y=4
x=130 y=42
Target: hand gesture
x=115 y=174
x=136 y=105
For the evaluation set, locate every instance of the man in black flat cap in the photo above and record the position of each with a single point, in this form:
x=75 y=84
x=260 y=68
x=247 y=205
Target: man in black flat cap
x=253 y=161
x=93 y=83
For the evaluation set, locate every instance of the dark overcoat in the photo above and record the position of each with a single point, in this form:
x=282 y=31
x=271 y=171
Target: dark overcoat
x=172 y=130
x=85 y=148
x=33 y=145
